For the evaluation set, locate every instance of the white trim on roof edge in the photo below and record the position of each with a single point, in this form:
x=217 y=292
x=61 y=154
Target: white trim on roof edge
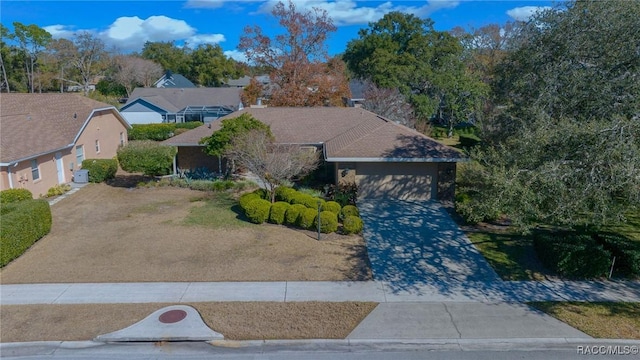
x=12 y=162
x=363 y=159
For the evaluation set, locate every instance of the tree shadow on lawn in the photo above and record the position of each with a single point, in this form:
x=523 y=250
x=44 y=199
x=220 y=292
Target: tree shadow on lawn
x=511 y=255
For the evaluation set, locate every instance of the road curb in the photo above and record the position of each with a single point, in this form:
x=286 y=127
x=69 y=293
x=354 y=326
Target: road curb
x=39 y=348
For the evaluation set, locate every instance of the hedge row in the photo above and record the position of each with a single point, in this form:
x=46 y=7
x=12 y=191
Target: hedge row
x=296 y=209
x=146 y=157
x=100 y=170
x=626 y=251
x=572 y=255
x=159 y=132
x=590 y=255
x=23 y=223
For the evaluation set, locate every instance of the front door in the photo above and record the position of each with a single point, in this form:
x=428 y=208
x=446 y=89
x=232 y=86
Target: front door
x=60 y=168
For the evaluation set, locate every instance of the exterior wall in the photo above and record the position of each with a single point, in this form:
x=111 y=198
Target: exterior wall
x=22 y=177
x=397 y=180
x=106 y=128
x=142 y=117
x=446 y=182
x=193 y=157
x=345 y=173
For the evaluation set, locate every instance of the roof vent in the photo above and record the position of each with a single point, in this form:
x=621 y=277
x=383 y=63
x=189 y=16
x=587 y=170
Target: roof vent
x=75 y=115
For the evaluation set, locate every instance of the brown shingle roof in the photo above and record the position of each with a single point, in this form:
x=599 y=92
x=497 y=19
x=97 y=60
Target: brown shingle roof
x=174 y=99
x=347 y=133
x=32 y=124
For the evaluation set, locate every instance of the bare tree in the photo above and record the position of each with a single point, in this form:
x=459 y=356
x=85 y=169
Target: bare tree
x=271 y=162
x=133 y=71
x=90 y=51
x=389 y=103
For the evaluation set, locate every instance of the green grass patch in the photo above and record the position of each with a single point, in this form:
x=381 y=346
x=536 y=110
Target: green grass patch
x=218 y=211
x=511 y=255
x=607 y=320
x=631 y=228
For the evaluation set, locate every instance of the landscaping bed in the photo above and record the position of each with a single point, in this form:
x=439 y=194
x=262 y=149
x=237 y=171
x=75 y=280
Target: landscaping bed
x=118 y=234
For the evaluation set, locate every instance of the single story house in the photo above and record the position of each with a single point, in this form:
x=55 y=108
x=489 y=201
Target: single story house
x=45 y=138
x=385 y=159
x=178 y=105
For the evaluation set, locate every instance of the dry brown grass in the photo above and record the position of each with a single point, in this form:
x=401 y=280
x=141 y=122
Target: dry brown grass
x=601 y=320
x=235 y=320
x=114 y=234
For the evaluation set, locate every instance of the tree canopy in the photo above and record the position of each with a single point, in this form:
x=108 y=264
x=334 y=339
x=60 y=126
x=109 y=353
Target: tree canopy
x=302 y=74
x=218 y=143
x=566 y=148
x=406 y=52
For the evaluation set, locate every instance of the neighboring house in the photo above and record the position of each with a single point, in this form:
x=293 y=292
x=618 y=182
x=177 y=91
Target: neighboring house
x=158 y=105
x=384 y=159
x=357 y=88
x=171 y=80
x=45 y=138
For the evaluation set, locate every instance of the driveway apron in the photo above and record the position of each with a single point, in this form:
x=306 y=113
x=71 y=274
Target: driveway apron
x=411 y=243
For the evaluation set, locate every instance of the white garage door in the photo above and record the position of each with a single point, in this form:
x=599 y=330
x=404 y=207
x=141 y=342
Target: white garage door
x=397 y=180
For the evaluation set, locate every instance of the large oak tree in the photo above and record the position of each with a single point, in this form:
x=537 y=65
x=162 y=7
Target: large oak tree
x=566 y=149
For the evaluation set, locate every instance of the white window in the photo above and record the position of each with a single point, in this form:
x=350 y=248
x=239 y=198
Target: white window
x=97 y=146
x=121 y=139
x=79 y=155
x=35 y=172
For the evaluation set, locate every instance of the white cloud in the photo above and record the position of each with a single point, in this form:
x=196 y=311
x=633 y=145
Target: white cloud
x=131 y=33
x=236 y=55
x=525 y=12
x=350 y=12
x=59 y=31
x=196 y=40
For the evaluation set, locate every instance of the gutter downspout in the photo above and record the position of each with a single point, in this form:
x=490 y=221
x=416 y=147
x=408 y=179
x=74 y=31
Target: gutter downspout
x=10 y=176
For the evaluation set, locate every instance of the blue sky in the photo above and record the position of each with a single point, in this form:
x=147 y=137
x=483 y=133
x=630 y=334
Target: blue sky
x=127 y=25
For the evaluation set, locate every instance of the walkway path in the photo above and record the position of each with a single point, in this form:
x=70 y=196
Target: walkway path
x=291 y=291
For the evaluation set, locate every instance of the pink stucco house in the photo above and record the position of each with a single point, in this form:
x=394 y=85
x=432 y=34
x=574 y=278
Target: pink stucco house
x=45 y=138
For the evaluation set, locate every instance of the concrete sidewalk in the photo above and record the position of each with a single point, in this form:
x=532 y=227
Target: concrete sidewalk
x=291 y=291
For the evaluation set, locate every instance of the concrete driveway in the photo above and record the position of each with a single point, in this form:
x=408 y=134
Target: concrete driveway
x=413 y=243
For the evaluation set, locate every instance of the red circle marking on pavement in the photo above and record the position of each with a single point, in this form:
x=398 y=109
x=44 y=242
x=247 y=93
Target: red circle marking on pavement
x=172 y=316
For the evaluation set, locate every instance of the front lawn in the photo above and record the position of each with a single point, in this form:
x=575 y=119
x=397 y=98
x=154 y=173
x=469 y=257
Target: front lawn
x=106 y=233
x=600 y=319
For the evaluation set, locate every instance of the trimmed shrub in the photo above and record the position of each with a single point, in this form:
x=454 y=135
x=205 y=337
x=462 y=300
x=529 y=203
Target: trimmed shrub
x=147 y=157
x=292 y=216
x=153 y=132
x=626 y=251
x=15 y=195
x=307 y=218
x=26 y=223
x=352 y=224
x=349 y=210
x=278 y=211
x=284 y=193
x=572 y=255
x=262 y=193
x=469 y=140
x=58 y=190
x=245 y=199
x=332 y=206
x=328 y=222
x=100 y=170
x=257 y=210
